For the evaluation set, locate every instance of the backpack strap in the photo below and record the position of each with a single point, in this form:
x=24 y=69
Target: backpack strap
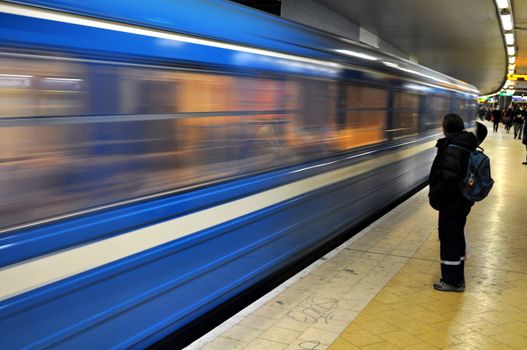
x=456 y=146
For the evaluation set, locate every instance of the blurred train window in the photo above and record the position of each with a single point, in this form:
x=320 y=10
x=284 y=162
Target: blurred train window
x=205 y=92
x=466 y=107
x=365 y=116
x=460 y=107
x=472 y=108
x=318 y=103
x=437 y=107
x=139 y=91
x=460 y=104
x=314 y=125
x=40 y=87
x=405 y=112
x=17 y=95
x=260 y=94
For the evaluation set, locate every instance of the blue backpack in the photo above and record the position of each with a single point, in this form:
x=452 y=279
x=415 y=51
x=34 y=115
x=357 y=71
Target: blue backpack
x=477 y=182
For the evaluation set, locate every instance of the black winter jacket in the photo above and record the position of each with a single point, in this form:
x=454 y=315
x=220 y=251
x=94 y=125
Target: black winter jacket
x=448 y=169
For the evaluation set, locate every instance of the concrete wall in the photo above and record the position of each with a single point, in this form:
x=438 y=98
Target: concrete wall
x=311 y=13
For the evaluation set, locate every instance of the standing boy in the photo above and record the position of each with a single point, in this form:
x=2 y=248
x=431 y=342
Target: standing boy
x=448 y=169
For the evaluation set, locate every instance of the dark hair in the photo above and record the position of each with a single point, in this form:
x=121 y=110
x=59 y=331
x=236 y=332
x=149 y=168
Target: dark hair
x=453 y=123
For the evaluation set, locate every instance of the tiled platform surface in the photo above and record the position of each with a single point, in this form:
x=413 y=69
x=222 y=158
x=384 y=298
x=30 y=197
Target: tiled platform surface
x=375 y=292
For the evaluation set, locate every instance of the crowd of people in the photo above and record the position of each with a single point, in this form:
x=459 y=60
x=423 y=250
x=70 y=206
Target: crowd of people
x=514 y=117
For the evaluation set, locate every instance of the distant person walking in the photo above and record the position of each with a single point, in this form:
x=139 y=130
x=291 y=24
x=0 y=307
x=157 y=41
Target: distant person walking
x=524 y=140
x=523 y=121
x=482 y=113
x=448 y=170
x=507 y=119
x=496 y=118
x=517 y=122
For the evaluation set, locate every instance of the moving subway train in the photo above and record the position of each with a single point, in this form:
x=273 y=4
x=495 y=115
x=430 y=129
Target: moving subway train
x=159 y=158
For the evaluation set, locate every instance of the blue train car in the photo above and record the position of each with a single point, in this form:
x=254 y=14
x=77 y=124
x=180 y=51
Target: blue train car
x=160 y=158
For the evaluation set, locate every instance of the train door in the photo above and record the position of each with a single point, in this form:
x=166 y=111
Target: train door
x=156 y=97
x=423 y=103
x=437 y=107
x=405 y=114
x=317 y=123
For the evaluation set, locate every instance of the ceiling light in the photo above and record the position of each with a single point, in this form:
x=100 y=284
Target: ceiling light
x=357 y=54
x=506 y=20
x=502 y=4
x=512 y=66
x=512 y=59
x=509 y=38
x=511 y=50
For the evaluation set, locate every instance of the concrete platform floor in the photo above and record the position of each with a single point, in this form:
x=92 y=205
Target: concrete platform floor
x=375 y=291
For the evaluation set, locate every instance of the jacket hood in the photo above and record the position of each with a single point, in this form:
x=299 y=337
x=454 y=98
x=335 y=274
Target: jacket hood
x=464 y=139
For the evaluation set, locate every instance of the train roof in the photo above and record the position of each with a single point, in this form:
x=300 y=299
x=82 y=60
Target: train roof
x=229 y=22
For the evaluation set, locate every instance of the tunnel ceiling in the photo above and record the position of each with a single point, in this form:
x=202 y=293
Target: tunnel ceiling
x=462 y=39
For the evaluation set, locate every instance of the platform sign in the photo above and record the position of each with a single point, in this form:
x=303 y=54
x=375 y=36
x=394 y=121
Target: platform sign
x=516 y=76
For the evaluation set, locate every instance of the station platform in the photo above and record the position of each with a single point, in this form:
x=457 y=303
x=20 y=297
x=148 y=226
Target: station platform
x=375 y=291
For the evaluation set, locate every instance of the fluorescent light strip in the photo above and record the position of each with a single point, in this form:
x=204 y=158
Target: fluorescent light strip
x=511 y=50
x=34 y=273
x=512 y=59
x=15 y=76
x=62 y=79
x=509 y=38
x=357 y=54
x=502 y=4
x=506 y=22
x=125 y=28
